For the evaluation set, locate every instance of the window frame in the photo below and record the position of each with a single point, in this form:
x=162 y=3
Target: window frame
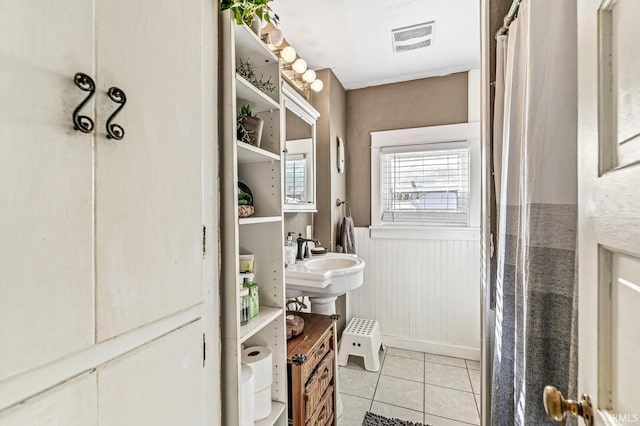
x=434 y=137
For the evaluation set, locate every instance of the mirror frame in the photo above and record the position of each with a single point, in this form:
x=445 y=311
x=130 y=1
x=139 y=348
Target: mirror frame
x=299 y=106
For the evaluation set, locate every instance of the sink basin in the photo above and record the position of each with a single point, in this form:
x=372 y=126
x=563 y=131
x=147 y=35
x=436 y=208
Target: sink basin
x=329 y=275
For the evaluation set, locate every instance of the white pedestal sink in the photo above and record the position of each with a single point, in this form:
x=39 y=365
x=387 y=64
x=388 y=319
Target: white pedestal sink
x=324 y=278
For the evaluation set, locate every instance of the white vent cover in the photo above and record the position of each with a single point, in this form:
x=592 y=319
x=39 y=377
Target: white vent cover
x=412 y=37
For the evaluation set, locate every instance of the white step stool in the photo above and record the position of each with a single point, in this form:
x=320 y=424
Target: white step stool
x=362 y=337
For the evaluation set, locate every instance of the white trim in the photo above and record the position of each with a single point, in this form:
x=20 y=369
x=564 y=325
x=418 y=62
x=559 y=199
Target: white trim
x=473 y=96
x=400 y=232
x=299 y=101
x=432 y=348
x=421 y=135
x=451 y=133
x=18 y=388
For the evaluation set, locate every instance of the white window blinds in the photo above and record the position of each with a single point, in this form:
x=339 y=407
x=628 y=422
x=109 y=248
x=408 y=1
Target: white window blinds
x=428 y=185
x=296 y=178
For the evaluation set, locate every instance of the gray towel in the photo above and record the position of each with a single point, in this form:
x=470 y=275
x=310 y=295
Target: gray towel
x=348 y=235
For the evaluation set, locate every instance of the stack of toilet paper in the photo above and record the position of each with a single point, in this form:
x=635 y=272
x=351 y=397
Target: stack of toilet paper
x=260 y=359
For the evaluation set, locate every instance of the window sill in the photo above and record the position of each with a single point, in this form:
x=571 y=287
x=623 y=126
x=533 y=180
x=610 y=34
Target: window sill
x=406 y=232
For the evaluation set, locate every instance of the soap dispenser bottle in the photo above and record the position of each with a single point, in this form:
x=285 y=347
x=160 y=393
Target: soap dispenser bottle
x=290 y=250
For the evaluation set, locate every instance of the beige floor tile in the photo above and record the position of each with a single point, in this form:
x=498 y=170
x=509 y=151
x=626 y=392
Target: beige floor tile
x=448 y=360
x=473 y=365
x=354 y=410
x=450 y=403
x=432 y=420
x=395 y=412
x=405 y=353
x=357 y=362
x=357 y=383
x=474 y=375
x=446 y=375
x=404 y=368
x=400 y=392
x=477 y=397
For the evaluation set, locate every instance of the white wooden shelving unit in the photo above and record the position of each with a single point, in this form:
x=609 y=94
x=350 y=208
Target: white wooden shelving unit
x=261 y=234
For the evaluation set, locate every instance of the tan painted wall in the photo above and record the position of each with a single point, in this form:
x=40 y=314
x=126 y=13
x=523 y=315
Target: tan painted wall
x=419 y=103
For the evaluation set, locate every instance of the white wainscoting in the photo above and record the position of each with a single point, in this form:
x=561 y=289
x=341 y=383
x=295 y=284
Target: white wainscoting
x=425 y=292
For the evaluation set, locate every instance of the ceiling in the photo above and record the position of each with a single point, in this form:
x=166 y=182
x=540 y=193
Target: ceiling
x=353 y=37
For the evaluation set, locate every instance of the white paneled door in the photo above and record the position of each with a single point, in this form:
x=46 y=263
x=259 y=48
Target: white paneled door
x=46 y=216
x=106 y=289
x=149 y=184
x=609 y=202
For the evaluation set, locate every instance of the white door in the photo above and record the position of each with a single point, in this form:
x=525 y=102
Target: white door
x=149 y=214
x=46 y=200
x=609 y=208
x=105 y=291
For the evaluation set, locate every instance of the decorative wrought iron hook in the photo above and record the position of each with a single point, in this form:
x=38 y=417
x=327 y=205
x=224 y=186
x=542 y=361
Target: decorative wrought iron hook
x=115 y=131
x=86 y=84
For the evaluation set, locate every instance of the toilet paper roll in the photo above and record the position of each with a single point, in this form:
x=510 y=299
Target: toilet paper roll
x=262 y=404
x=260 y=359
x=248 y=396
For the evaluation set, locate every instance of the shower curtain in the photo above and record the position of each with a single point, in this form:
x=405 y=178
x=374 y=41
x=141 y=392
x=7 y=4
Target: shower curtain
x=536 y=292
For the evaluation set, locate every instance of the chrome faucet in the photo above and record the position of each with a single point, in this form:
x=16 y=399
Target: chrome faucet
x=303 y=247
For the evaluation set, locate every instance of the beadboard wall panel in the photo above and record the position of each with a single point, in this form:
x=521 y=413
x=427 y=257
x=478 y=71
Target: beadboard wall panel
x=424 y=292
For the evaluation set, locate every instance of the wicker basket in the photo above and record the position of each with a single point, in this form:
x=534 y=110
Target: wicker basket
x=317 y=385
x=246 y=211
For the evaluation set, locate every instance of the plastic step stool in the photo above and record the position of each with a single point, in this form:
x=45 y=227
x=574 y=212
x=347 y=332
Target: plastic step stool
x=362 y=337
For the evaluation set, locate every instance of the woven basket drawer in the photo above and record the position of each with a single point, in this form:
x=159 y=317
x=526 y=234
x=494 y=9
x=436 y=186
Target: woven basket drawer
x=324 y=414
x=316 y=355
x=315 y=388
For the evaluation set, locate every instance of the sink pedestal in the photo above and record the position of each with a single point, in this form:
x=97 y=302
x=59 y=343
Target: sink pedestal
x=323 y=305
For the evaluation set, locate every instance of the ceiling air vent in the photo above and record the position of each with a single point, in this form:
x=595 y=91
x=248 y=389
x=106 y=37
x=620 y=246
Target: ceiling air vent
x=412 y=37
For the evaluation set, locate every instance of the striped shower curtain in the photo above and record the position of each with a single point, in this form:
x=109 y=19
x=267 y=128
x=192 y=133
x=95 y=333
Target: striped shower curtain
x=536 y=292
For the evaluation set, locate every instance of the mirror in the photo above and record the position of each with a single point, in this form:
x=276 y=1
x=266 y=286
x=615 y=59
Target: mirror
x=299 y=153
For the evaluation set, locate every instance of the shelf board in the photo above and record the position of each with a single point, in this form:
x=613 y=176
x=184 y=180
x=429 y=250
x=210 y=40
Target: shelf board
x=266 y=315
x=259 y=219
x=248 y=154
x=248 y=93
x=277 y=408
x=249 y=45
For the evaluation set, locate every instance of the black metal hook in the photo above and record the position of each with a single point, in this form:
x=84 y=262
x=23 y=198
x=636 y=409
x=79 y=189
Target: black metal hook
x=115 y=131
x=86 y=84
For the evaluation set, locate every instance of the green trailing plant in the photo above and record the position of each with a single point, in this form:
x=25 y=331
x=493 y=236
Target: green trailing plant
x=243 y=11
x=245 y=135
x=245 y=69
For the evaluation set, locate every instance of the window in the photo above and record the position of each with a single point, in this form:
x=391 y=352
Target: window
x=295 y=178
x=424 y=177
x=426 y=185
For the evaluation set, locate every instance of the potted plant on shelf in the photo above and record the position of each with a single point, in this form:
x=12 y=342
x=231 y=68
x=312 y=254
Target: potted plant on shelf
x=249 y=126
x=250 y=12
x=246 y=71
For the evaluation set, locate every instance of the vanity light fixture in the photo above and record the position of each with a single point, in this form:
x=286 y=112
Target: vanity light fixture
x=294 y=68
x=288 y=54
x=309 y=76
x=300 y=66
x=317 y=85
x=276 y=37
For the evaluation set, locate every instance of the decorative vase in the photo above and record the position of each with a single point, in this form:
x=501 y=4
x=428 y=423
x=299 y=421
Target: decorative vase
x=254 y=126
x=256 y=25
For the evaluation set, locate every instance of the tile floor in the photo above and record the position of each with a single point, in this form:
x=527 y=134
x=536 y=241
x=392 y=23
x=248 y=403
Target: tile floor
x=426 y=388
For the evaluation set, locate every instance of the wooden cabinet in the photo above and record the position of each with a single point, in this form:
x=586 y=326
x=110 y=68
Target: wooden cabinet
x=311 y=368
x=260 y=234
x=103 y=240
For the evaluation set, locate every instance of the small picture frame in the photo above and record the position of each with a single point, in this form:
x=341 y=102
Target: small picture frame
x=340 y=156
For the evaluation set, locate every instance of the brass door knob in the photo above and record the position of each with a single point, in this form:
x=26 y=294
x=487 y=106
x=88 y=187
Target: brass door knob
x=557 y=407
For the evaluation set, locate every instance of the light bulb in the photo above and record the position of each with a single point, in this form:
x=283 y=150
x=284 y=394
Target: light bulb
x=288 y=54
x=309 y=75
x=276 y=37
x=300 y=66
x=317 y=86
